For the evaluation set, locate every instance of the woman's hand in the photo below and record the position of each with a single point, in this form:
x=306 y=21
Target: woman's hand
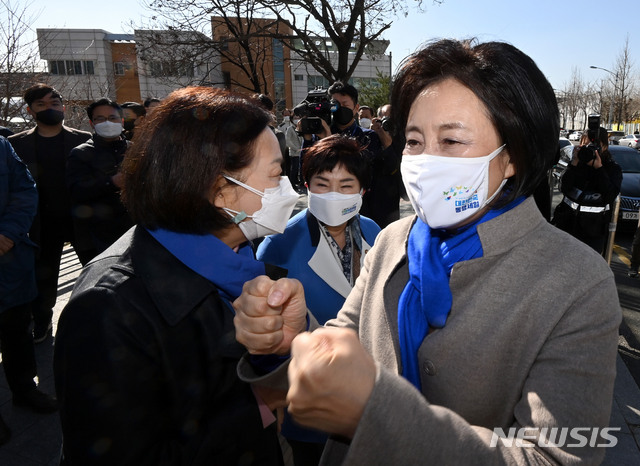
x=331 y=377
x=597 y=161
x=5 y=245
x=269 y=314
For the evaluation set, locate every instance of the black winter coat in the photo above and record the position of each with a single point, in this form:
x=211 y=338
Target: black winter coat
x=95 y=199
x=24 y=144
x=145 y=367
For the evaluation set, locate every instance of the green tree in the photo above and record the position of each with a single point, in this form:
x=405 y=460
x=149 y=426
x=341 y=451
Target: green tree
x=374 y=94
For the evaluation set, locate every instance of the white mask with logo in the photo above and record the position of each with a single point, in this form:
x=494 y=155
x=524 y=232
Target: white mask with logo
x=108 y=129
x=445 y=191
x=277 y=205
x=333 y=208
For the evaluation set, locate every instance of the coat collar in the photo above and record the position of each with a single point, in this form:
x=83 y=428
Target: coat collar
x=323 y=262
x=496 y=235
x=174 y=288
x=502 y=233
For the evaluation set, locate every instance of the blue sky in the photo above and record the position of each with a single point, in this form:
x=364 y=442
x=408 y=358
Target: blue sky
x=558 y=35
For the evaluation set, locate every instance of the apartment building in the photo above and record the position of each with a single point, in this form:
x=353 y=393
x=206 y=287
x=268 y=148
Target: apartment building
x=86 y=64
x=375 y=60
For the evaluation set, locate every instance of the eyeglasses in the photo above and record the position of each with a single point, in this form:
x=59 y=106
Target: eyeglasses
x=111 y=118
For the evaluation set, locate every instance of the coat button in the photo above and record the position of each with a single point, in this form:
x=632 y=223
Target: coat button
x=429 y=367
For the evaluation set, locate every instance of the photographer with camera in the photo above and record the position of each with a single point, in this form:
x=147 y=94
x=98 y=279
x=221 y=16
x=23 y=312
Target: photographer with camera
x=590 y=184
x=334 y=111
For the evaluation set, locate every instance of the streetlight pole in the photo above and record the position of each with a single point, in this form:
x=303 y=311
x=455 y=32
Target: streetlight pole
x=615 y=89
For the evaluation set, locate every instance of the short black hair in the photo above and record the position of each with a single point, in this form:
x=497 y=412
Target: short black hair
x=137 y=108
x=149 y=100
x=38 y=91
x=264 y=101
x=336 y=150
x=99 y=103
x=518 y=98
x=339 y=87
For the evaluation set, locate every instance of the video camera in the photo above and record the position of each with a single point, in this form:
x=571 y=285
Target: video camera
x=588 y=153
x=315 y=107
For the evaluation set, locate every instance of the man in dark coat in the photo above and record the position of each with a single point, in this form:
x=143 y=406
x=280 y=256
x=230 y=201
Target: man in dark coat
x=44 y=149
x=18 y=205
x=94 y=181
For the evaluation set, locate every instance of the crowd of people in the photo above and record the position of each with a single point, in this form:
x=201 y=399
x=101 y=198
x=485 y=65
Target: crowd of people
x=208 y=324
x=62 y=186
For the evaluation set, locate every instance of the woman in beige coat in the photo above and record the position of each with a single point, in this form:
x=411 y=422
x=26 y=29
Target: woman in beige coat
x=477 y=332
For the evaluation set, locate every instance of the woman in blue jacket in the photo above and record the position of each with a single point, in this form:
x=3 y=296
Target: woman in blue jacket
x=324 y=247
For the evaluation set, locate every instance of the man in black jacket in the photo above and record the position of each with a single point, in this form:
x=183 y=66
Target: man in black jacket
x=381 y=200
x=44 y=149
x=94 y=181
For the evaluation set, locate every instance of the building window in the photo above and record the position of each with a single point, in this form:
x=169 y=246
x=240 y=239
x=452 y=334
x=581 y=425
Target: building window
x=56 y=67
x=160 y=69
x=278 y=69
x=71 y=67
x=118 y=68
x=317 y=81
x=298 y=77
x=358 y=83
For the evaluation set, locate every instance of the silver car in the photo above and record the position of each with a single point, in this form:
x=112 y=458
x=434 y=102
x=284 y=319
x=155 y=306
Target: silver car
x=630 y=140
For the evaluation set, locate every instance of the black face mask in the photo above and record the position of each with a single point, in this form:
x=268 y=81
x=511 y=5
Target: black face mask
x=342 y=116
x=129 y=124
x=50 y=116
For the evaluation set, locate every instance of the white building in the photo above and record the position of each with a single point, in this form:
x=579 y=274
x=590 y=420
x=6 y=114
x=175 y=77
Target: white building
x=87 y=64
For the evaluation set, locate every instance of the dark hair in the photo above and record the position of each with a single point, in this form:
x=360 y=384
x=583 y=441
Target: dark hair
x=178 y=156
x=137 y=108
x=336 y=150
x=339 y=87
x=103 y=102
x=603 y=137
x=519 y=100
x=149 y=100
x=264 y=101
x=38 y=91
x=366 y=107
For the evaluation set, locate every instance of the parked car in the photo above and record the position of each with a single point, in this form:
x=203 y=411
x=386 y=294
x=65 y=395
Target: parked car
x=565 y=152
x=629 y=161
x=575 y=136
x=614 y=137
x=630 y=140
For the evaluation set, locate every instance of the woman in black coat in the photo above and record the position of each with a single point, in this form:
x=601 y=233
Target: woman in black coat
x=145 y=356
x=590 y=185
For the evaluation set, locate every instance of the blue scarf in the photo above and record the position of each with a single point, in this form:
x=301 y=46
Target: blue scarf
x=214 y=260
x=426 y=299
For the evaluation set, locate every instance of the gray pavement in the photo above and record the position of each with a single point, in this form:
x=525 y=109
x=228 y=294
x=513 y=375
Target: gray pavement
x=37 y=438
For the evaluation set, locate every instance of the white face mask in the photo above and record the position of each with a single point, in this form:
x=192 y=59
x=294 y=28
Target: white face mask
x=333 y=208
x=445 y=191
x=286 y=119
x=365 y=123
x=108 y=129
x=272 y=217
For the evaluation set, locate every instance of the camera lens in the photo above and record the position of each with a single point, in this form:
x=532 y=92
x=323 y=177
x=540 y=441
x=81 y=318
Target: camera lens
x=586 y=154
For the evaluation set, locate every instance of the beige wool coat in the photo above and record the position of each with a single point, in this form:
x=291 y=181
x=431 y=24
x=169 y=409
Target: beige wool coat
x=531 y=341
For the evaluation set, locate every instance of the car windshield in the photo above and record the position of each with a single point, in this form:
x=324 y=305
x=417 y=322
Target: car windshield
x=629 y=161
